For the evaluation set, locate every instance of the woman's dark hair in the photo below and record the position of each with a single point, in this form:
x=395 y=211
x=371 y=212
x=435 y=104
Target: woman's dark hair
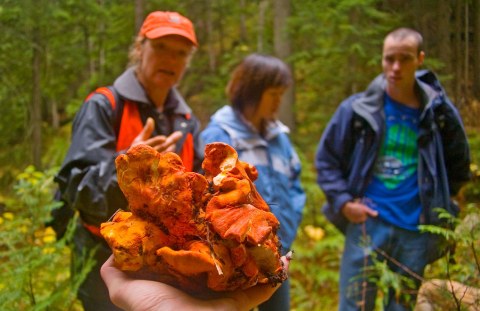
x=253 y=76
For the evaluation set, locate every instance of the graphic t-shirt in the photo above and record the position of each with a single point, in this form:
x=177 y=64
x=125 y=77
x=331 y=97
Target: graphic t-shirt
x=394 y=191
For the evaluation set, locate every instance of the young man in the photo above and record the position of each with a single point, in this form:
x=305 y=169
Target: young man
x=388 y=157
x=142 y=107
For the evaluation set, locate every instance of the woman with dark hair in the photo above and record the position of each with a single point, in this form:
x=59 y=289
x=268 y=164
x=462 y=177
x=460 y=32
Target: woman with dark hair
x=250 y=125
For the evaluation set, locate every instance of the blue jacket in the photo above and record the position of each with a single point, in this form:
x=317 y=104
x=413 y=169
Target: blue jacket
x=276 y=161
x=350 y=144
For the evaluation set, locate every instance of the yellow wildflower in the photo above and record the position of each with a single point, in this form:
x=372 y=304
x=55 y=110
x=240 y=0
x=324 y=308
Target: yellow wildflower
x=49 y=235
x=8 y=216
x=314 y=233
x=48 y=250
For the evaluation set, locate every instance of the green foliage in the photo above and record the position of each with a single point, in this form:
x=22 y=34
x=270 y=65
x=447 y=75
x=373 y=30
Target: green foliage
x=35 y=270
x=56 y=149
x=463 y=264
x=386 y=280
x=340 y=54
x=472 y=190
x=474 y=141
x=317 y=249
x=315 y=266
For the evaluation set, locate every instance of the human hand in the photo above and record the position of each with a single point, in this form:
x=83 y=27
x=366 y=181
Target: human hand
x=161 y=143
x=133 y=294
x=357 y=212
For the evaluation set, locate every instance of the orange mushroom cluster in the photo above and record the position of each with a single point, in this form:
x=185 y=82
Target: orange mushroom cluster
x=197 y=232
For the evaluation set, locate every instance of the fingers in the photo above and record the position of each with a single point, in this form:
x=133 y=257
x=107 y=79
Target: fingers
x=108 y=270
x=111 y=275
x=161 y=143
x=145 y=133
x=246 y=299
x=257 y=295
x=286 y=260
x=171 y=140
x=148 y=129
x=164 y=144
x=113 y=278
x=251 y=297
x=371 y=212
x=357 y=212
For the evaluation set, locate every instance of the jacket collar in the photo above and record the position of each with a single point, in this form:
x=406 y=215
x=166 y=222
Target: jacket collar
x=128 y=86
x=240 y=128
x=370 y=103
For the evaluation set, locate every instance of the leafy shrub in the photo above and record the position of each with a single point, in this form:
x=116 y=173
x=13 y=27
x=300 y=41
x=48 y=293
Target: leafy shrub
x=35 y=266
x=317 y=250
x=462 y=265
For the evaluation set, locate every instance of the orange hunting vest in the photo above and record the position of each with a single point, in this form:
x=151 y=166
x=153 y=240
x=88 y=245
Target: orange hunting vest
x=130 y=126
x=131 y=116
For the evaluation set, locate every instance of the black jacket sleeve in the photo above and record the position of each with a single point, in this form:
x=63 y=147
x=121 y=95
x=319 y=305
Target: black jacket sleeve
x=87 y=178
x=456 y=149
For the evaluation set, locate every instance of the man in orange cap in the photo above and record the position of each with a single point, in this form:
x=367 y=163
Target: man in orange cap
x=142 y=106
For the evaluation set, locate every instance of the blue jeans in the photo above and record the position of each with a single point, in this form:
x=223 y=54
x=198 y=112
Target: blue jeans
x=408 y=249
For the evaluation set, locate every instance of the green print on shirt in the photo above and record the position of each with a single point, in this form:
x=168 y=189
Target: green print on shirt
x=398 y=156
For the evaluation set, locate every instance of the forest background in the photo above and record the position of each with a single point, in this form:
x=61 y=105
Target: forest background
x=54 y=52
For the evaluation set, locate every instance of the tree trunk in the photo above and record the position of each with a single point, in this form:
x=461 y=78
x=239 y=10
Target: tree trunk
x=443 y=30
x=466 y=62
x=88 y=48
x=458 y=28
x=243 y=26
x=221 y=31
x=351 y=83
x=91 y=57
x=282 y=46
x=139 y=15
x=36 y=109
x=212 y=62
x=101 y=45
x=476 y=49
x=54 y=113
x=262 y=8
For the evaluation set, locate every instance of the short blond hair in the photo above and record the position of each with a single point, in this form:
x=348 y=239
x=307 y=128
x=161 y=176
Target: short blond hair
x=404 y=32
x=134 y=53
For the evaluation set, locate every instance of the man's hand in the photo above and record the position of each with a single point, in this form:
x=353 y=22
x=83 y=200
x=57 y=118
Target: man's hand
x=357 y=212
x=130 y=293
x=161 y=143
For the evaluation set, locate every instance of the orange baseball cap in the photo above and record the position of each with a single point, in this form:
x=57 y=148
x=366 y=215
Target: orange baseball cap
x=159 y=24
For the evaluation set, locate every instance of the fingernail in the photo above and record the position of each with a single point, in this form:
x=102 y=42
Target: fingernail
x=289 y=255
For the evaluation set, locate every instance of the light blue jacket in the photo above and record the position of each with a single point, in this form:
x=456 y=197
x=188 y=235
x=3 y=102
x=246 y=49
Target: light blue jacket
x=277 y=163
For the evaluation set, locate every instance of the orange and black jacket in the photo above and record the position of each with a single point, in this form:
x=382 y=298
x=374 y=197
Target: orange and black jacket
x=103 y=128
